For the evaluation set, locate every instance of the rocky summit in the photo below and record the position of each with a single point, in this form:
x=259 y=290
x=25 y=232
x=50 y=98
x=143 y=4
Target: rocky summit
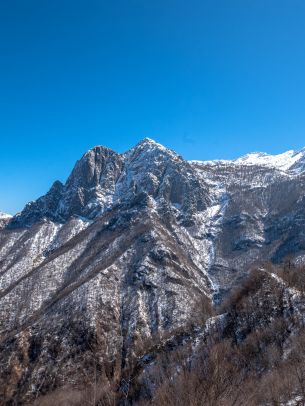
x=125 y=250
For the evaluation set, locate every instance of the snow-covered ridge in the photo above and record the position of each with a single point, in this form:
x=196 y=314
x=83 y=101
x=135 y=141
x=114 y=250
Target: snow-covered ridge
x=4 y=216
x=292 y=161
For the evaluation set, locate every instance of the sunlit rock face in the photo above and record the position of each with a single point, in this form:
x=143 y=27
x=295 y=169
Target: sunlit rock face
x=124 y=250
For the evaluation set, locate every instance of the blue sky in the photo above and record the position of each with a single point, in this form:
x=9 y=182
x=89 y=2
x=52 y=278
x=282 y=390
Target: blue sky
x=210 y=79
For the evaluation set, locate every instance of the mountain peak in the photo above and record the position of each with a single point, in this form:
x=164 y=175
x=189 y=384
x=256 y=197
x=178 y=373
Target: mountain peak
x=148 y=146
x=149 y=143
x=89 y=169
x=97 y=150
x=147 y=140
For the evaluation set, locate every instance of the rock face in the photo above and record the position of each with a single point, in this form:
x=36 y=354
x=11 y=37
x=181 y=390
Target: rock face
x=124 y=250
x=264 y=216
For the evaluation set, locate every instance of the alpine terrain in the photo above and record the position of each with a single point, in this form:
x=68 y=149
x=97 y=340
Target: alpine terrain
x=149 y=279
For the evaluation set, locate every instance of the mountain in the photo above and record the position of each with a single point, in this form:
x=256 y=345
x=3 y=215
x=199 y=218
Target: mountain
x=264 y=211
x=127 y=248
x=4 y=219
x=289 y=162
x=4 y=215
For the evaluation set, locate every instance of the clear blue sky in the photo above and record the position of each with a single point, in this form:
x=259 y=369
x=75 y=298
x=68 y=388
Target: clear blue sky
x=210 y=79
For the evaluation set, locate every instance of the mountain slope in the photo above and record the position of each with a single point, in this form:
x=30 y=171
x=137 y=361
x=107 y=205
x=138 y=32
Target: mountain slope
x=4 y=219
x=264 y=217
x=126 y=249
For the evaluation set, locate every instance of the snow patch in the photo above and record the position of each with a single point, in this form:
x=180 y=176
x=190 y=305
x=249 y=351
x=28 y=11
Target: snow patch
x=4 y=216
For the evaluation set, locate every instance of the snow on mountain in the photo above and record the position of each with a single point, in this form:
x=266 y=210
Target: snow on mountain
x=289 y=161
x=284 y=162
x=124 y=250
x=4 y=219
x=4 y=215
x=148 y=146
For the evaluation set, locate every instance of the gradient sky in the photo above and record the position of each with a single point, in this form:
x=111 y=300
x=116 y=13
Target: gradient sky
x=210 y=79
